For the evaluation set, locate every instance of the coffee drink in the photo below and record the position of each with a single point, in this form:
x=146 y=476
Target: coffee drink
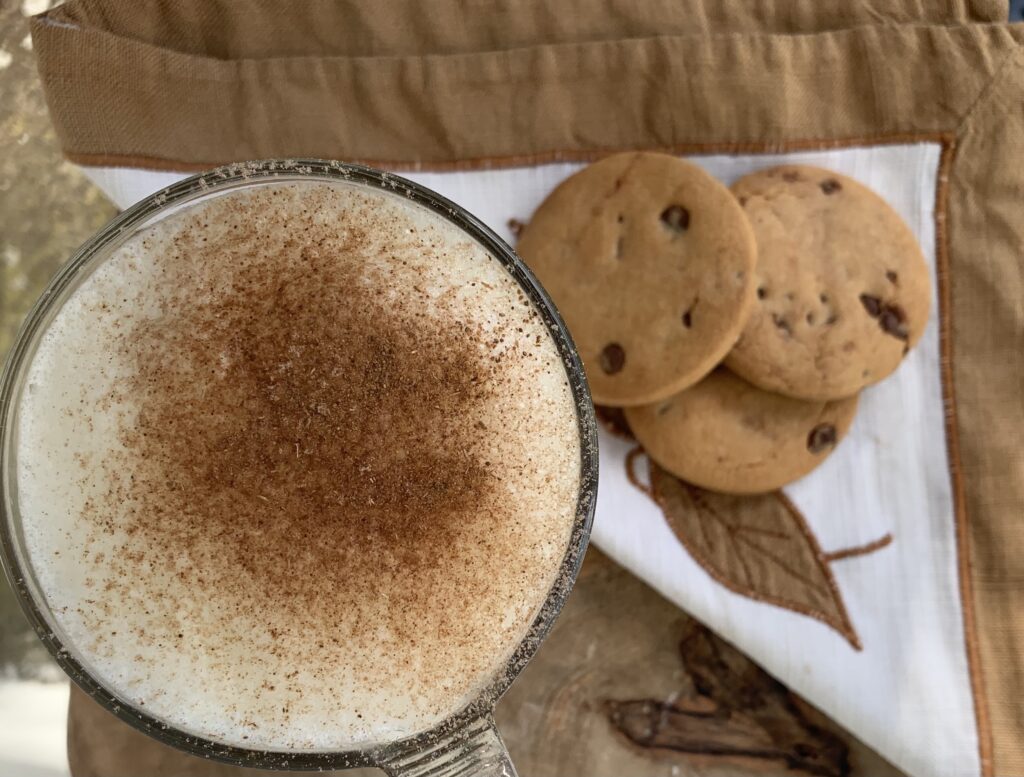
x=297 y=467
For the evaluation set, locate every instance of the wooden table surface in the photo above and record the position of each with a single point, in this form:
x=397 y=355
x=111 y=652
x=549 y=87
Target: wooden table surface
x=625 y=685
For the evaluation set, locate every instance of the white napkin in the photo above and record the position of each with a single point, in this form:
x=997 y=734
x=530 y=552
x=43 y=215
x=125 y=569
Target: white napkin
x=906 y=690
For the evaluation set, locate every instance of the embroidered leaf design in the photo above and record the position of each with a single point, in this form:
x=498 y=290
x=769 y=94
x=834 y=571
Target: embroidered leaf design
x=757 y=546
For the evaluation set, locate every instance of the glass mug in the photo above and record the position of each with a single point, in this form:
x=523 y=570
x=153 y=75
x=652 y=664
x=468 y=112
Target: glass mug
x=467 y=742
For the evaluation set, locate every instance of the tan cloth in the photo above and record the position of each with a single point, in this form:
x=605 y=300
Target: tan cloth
x=185 y=85
x=401 y=83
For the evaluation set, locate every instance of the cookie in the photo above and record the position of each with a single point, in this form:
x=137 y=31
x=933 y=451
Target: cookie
x=727 y=435
x=843 y=289
x=650 y=261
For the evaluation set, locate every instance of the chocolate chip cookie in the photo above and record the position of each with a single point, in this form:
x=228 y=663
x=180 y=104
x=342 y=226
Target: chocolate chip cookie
x=727 y=435
x=843 y=290
x=650 y=261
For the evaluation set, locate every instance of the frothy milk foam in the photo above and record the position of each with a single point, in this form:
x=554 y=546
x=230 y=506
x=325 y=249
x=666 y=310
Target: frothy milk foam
x=297 y=467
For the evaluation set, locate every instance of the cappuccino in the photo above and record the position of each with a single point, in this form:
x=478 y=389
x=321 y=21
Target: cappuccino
x=297 y=467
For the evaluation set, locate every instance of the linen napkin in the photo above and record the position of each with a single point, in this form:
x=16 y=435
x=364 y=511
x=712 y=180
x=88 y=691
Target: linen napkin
x=885 y=587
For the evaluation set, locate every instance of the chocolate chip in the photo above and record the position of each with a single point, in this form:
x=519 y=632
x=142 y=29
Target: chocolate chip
x=824 y=298
x=821 y=438
x=791 y=176
x=873 y=305
x=830 y=186
x=676 y=218
x=687 y=319
x=891 y=318
x=743 y=201
x=761 y=292
x=613 y=358
x=810 y=319
x=894 y=322
x=621 y=218
x=892 y=276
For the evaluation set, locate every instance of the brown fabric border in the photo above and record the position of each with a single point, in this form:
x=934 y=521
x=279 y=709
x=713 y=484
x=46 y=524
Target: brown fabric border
x=114 y=98
x=986 y=361
x=318 y=28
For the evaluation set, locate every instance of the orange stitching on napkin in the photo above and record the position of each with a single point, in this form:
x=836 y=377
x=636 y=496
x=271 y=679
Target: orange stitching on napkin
x=963 y=549
x=537 y=158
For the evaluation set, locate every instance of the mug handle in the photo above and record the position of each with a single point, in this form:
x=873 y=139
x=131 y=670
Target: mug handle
x=475 y=750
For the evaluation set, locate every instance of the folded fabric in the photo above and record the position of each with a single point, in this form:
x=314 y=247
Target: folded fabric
x=886 y=585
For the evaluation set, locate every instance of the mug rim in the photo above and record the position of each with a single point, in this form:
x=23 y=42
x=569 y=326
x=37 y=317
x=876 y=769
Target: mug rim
x=98 y=249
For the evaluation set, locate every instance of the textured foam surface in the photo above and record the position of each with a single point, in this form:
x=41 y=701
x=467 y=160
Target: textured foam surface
x=298 y=466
